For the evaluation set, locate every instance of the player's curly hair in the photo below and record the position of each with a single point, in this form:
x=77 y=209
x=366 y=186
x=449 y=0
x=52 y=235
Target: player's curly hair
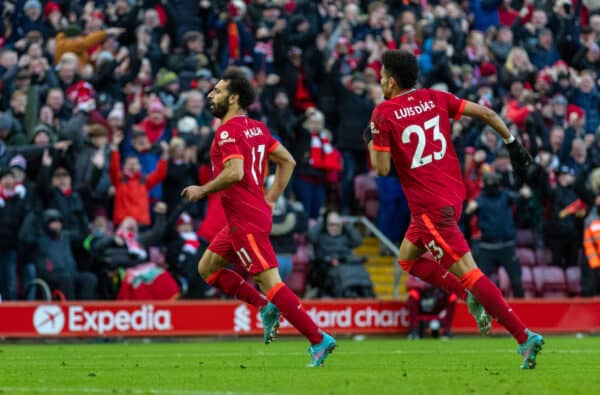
x=402 y=67
x=239 y=85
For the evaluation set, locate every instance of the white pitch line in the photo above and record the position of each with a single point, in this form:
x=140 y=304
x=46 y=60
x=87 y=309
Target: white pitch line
x=85 y=390
x=241 y=354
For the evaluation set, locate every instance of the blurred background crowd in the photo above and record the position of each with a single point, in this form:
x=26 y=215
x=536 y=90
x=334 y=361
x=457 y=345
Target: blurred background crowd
x=104 y=120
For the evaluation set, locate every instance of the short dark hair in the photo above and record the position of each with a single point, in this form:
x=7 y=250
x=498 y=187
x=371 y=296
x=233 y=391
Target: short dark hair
x=402 y=67
x=239 y=85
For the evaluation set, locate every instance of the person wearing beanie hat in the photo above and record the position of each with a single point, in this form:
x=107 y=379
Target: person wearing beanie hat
x=18 y=166
x=19 y=162
x=29 y=4
x=575 y=113
x=165 y=77
x=487 y=69
x=50 y=8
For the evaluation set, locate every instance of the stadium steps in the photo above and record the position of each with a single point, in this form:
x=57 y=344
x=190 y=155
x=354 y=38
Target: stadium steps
x=380 y=268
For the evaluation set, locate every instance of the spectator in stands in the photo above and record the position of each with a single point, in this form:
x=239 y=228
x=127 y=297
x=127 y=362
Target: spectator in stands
x=181 y=172
x=131 y=186
x=309 y=180
x=354 y=107
x=563 y=228
x=127 y=247
x=280 y=117
x=195 y=107
x=54 y=258
x=91 y=174
x=289 y=220
x=55 y=188
x=587 y=97
x=544 y=54
x=333 y=242
x=183 y=255
x=12 y=215
x=496 y=246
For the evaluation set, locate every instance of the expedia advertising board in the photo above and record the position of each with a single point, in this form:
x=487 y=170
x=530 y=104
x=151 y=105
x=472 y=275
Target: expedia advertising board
x=218 y=318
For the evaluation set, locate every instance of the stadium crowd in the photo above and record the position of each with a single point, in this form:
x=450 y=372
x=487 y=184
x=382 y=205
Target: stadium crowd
x=104 y=121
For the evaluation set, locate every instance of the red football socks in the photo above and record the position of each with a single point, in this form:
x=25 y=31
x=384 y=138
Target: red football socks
x=432 y=272
x=289 y=305
x=490 y=297
x=234 y=285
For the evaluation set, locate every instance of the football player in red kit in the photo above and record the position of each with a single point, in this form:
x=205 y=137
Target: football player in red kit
x=239 y=154
x=411 y=128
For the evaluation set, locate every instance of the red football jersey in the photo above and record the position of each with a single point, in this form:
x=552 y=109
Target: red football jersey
x=415 y=128
x=244 y=202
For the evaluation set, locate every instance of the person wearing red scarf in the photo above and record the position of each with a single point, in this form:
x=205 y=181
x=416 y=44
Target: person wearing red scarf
x=155 y=124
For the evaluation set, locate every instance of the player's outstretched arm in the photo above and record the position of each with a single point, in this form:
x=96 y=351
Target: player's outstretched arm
x=232 y=173
x=519 y=156
x=283 y=173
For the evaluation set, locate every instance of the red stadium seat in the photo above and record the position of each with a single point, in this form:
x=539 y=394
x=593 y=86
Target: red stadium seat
x=504 y=282
x=364 y=183
x=551 y=281
x=528 y=281
x=526 y=256
x=371 y=204
x=524 y=238
x=296 y=280
x=543 y=257
x=573 y=280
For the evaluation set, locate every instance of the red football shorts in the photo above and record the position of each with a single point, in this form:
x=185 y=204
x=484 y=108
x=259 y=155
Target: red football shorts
x=438 y=232
x=251 y=251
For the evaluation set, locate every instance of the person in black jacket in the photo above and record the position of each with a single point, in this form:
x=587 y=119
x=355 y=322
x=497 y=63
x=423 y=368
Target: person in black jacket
x=354 y=109
x=12 y=214
x=183 y=255
x=563 y=229
x=181 y=172
x=54 y=256
x=497 y=244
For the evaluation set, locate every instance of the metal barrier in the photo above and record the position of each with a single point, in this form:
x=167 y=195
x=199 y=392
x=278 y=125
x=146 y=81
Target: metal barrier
x=387 y=243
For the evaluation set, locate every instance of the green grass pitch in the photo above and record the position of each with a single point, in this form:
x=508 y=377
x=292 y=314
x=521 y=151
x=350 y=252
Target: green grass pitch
x=374 y=366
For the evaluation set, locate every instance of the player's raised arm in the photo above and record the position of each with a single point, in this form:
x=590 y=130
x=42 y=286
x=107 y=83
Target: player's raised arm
x=232 y=173
x=283 y=173
x=519 y=156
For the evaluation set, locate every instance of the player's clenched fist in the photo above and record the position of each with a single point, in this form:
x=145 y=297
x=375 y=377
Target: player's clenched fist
x=519 y=157
x=194 y=193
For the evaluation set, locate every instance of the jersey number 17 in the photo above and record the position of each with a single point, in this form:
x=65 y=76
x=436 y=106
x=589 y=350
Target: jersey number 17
x=257 y=168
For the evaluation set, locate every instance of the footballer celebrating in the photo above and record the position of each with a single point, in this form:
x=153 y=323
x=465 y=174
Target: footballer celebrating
x=239 y=154
x=411 y=128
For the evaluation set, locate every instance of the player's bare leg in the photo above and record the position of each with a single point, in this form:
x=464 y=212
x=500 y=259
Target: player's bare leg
x=212 y=269
x=486 y=292
x=288 y=303
x=411 y=259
